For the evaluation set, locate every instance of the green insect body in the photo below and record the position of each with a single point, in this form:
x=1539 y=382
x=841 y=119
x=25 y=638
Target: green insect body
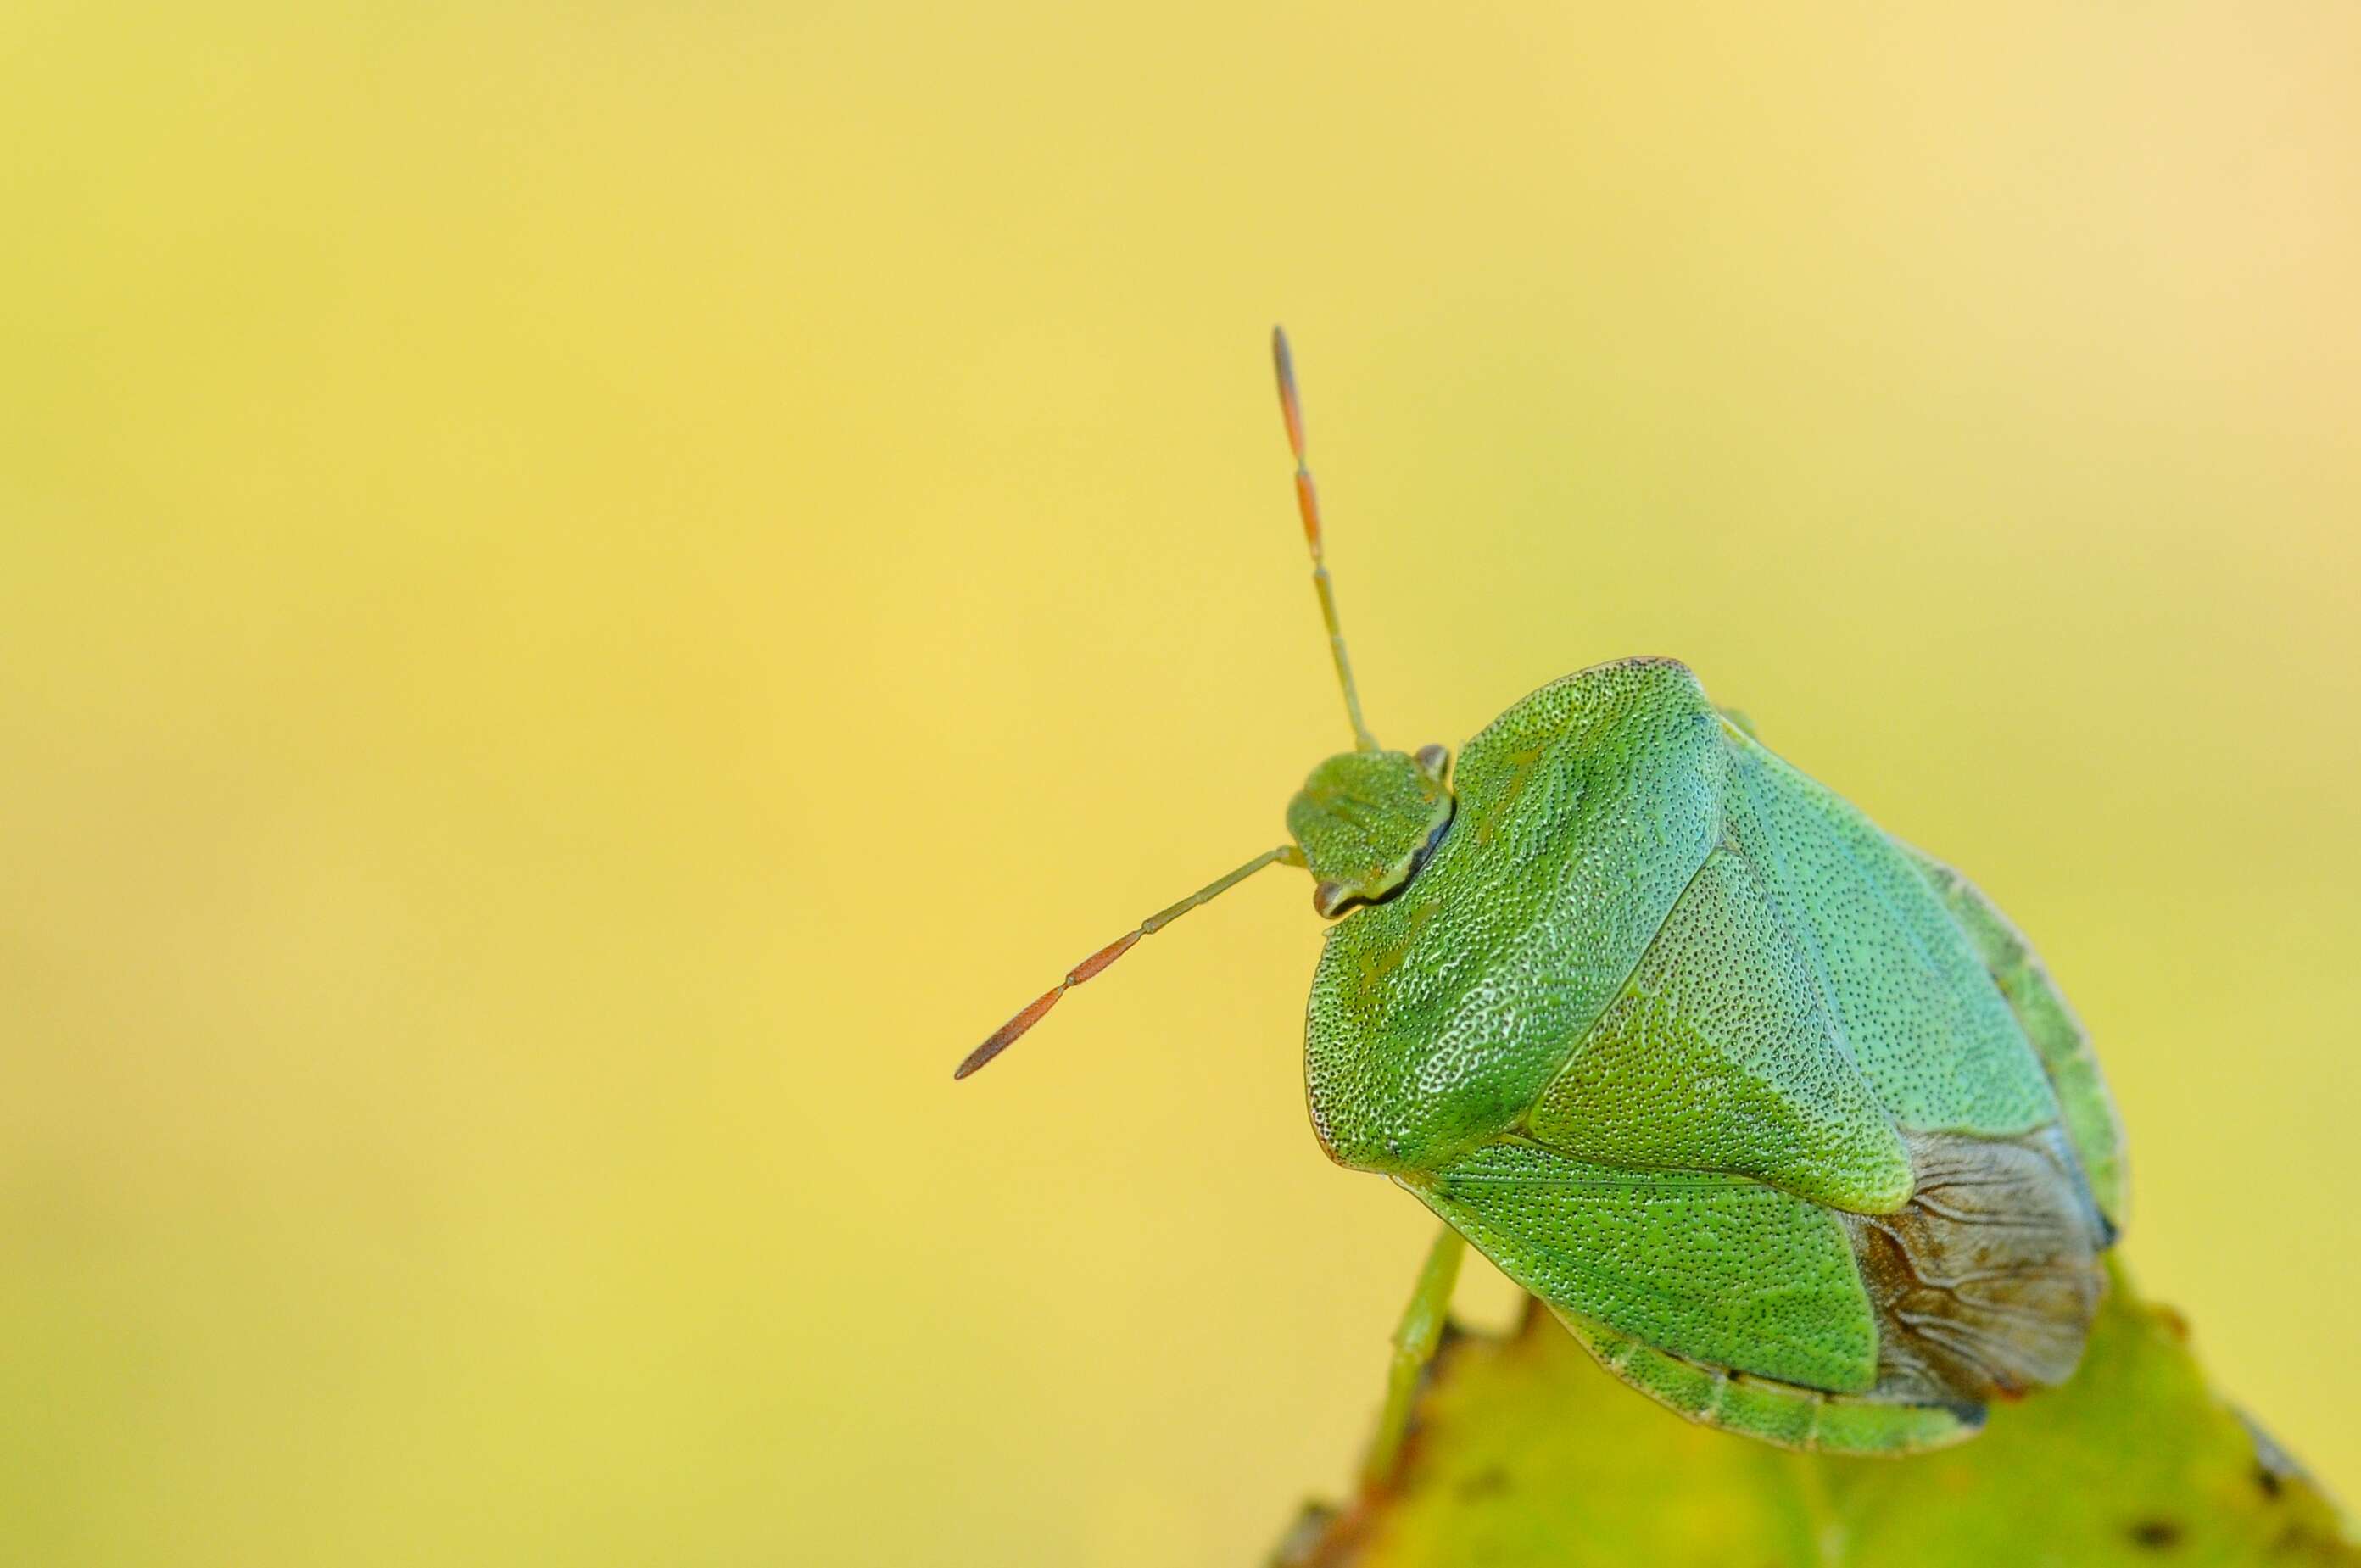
x=1780 y=1117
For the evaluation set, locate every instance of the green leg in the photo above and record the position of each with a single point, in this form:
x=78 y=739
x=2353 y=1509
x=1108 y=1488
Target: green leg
x=1415 y=1337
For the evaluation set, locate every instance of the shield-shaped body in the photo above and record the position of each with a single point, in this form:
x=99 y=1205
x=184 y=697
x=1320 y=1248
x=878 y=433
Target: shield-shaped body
x=1780 y=1117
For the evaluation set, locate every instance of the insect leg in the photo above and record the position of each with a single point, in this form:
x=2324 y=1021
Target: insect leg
x=1415 y=1338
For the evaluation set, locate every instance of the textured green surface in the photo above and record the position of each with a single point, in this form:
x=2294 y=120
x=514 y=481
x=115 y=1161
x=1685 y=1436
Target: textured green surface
x=1777 y=1412
x=1362 y=820
x=1716 y=1269
x=1525 y=1453
x=1721 y=1054
x=2050 y=1023
x=1436 y=1018
x=1919 y=1013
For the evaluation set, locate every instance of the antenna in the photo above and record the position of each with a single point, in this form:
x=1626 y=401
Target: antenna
x=1307 y=502
x=1008 y=1034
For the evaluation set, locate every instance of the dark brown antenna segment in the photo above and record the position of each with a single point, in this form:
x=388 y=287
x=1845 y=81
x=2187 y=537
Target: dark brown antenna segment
x=1008 y=1034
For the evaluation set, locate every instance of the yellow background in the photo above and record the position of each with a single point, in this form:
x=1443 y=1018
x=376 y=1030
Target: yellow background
x=589 y=594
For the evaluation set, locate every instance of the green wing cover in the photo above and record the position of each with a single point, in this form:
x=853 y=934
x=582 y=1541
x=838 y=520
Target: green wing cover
x=1718 y=1269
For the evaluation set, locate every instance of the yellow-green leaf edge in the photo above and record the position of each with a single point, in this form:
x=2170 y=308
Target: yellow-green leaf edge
x=1523 y=1451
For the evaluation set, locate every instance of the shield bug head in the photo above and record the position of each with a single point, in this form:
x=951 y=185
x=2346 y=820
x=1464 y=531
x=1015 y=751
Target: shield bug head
x=1365 y=820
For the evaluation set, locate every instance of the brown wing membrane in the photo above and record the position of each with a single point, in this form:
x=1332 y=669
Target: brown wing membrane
x=1985 y=1283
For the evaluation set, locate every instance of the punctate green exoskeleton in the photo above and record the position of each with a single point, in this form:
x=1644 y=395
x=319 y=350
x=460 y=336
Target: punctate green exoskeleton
x=1780 y=1117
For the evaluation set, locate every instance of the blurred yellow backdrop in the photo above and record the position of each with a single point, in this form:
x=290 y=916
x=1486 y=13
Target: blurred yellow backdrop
x=588 y=595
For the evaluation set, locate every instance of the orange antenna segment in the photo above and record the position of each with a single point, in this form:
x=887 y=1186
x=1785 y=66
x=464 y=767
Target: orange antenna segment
x=1307 y=503
x=1039 y=1008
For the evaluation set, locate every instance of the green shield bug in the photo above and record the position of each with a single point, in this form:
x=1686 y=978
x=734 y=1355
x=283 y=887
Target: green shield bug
x=1782 y=1118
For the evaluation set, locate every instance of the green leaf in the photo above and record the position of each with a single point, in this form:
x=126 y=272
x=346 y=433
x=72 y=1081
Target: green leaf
x=1523 y=1451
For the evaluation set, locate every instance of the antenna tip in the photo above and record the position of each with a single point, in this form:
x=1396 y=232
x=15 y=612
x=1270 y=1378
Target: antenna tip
x=978 y=1057
x=1009 y=1033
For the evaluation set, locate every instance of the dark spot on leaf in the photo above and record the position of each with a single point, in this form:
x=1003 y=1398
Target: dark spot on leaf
x=2155 y=1535
x=2273 y=1466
